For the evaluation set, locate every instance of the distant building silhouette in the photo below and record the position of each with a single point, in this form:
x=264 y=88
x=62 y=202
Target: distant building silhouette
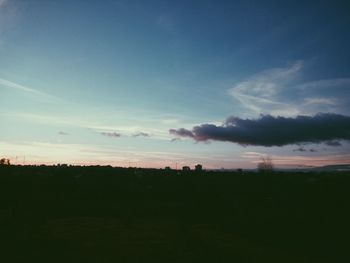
x=167 y=168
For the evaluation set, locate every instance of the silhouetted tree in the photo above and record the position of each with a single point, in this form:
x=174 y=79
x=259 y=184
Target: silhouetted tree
x=198 y=167
x=4 y=161
x=186 y=168
x=265 y=165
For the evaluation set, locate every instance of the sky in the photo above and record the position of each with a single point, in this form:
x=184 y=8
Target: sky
x=173 y=83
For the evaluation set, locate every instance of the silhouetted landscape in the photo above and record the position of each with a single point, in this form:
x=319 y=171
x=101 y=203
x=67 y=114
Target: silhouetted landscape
x=105 y=214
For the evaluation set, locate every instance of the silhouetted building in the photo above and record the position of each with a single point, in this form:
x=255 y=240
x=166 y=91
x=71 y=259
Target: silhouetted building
x=167 y=168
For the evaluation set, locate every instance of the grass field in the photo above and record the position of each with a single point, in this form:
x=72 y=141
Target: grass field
x=104 y=214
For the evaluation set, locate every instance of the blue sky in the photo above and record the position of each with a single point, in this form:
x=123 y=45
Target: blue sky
x=103 y=82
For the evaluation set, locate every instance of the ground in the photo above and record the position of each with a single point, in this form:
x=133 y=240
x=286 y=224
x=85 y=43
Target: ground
x=104 y=214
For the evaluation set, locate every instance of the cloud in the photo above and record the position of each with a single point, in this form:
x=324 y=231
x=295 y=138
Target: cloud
x=62 y=133
x=280 y=91
x=9 y=84
x=111 y=134
x=325 y=83
x=300 y=149
x=182 y=132
x=76 y=121
x=273 y=131
x=258 y=92
x=15 y=86
x=312 y=150
x=268 y=82
x=333 y=143
x=318 y=100
x=141 y=134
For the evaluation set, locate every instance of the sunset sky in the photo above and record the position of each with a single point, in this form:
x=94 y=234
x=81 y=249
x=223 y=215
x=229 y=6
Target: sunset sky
x=160 y=83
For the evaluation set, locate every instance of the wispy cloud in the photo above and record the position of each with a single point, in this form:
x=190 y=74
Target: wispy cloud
x=259 y=105
x=317 y=101
x=259 y=92
x=324 y=83
x=62 y=133
x=273 y=131
x=74 y=121
x=143 y=134
x=280 y=92
x=18 y=87
x=268 y=82
x=98 y=124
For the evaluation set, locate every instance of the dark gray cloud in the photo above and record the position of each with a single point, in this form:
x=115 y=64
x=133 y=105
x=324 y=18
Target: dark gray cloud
x=273 y=131
x=300 y=149
x=141 y=134
x=111 y=134
x=184 y=133
x=333 y=143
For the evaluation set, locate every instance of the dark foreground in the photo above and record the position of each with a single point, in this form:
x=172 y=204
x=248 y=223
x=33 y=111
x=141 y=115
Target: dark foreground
x=102 y=214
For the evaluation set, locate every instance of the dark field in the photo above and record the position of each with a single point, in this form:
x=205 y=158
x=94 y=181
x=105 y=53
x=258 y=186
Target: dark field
x=104 y=214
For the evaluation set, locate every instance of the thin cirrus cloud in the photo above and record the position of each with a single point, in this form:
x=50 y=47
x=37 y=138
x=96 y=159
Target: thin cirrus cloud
x=280 y=91
x=273 y=131
x=259 y=92
x=11 y=85
x=34 y=92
